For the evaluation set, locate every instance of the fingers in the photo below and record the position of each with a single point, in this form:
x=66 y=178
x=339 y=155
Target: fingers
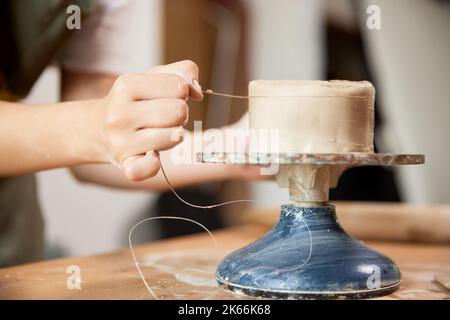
x=138 y=168
x=146 y=112
x=150 y=86
x=186 y=69
x=156 y=139
x=161 y=113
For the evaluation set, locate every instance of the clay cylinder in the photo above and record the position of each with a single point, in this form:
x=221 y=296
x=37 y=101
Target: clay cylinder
x=311 y=116
x=290 y=116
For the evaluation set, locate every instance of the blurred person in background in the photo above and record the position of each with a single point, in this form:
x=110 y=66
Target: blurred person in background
x=107 y=127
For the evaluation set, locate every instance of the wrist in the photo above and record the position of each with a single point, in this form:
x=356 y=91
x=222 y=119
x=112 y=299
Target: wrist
x=94 y=147
x=100 y=149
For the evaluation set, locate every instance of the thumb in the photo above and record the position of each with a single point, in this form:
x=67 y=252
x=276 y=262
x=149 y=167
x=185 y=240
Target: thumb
x=141 y=167
x=186 y=69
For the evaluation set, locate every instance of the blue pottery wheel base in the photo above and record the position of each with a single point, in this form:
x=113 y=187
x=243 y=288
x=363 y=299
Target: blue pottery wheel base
x=307 y=255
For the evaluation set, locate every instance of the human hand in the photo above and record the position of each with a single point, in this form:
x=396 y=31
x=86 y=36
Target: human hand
x=146 y=112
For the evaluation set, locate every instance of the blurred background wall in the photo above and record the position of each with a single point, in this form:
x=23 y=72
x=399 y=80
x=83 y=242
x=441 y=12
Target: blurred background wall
x=285 y=39
x=409 y=57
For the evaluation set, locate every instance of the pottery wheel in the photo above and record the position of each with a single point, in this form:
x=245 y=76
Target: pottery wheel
x=308 y=254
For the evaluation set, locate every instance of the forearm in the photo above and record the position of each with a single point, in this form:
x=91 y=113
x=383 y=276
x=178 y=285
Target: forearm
x=38 y=137
x=141 y=112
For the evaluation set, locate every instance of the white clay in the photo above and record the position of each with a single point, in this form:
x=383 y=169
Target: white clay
x=314 y=116
x=311 y=117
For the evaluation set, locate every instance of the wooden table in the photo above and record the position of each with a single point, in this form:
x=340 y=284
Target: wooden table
x=183 y=268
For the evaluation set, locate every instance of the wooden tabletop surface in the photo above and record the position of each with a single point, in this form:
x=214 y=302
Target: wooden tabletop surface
x=183 y=268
